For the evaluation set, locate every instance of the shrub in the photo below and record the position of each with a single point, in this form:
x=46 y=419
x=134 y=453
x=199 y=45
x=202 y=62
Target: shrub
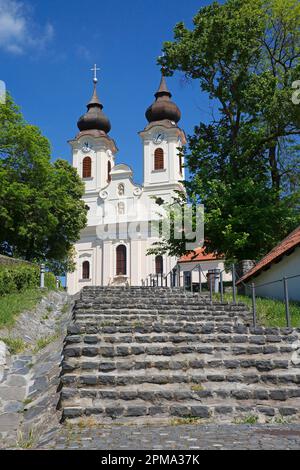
x=50 y=281
x=14 y=278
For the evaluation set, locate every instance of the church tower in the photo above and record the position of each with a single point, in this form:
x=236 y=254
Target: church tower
x=93 y=150
x=162 y=139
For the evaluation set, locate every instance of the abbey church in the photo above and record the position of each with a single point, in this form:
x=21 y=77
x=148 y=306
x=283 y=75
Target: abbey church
x=112 y=249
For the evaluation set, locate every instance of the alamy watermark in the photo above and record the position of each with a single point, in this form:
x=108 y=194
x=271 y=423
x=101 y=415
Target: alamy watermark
x=2 y=92
x=145 y=219
x=296 y=94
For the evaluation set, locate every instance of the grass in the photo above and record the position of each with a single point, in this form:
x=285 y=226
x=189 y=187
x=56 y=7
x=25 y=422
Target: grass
x=43 y=342
x=250 y=419
x=197 y=388
x=15 y=345
x=27 y=401
x=65 y=307
x=13 y=304
x=270 y=312
x=26 y=441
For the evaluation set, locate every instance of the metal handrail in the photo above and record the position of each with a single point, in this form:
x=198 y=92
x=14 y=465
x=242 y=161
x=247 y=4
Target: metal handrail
x=235 y=278
x=253 y=288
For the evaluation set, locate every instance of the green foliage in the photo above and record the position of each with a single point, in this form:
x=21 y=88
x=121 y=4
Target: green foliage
x=41 y=210
x=15 y=278
x=13 y=304
x=15 y=345
x=26 y=440
x=249 y=419
x=270 y=312
x=244 y=162
x=18 y=277
x=50 y=281
x=43 y=342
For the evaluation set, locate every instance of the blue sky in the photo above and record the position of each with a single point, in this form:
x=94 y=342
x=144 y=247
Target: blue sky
x=47 y=48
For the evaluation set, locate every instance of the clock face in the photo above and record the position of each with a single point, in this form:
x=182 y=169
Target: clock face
x=158 y=138
x=86 y=147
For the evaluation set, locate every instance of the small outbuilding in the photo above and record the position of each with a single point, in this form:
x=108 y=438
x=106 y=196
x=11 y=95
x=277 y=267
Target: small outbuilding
x=283 y=261
x=198 y=265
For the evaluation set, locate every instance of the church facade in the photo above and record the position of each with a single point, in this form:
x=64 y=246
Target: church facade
x=112 y=249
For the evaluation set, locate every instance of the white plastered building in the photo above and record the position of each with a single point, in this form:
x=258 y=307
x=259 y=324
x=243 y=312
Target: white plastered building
x=112 y=249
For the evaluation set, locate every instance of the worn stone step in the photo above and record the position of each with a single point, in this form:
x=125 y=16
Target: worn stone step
x=91 y=345
x=125 y=320
x=178 y=362
x=138 y=378
x=84 y=323
x=184 y=327
x=212 y=348
x=156 y=305
x=206 y=394
x=189 y=410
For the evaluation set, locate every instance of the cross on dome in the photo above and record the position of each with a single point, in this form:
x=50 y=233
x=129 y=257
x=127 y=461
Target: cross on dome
x=95 y=69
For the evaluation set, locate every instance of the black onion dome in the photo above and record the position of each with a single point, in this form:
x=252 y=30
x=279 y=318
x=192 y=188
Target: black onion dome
x=94 y=118
x=163 y=107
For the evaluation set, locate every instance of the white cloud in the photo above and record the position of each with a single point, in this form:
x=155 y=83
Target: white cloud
x=84 y=53
x=18 y=31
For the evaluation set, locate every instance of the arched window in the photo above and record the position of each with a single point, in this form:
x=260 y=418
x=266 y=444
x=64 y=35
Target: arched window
x=108 y=172
x=159 y=266
x=87 y=167
x=159 y=159
x=85 y=270
x=121 y=260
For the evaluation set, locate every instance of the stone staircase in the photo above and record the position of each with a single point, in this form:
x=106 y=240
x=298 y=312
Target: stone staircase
x=146 y=354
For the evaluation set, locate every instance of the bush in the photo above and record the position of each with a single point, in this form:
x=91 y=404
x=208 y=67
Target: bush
x=50 y=281
x=15 y=278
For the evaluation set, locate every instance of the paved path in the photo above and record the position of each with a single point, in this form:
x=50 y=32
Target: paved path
x=174 y=437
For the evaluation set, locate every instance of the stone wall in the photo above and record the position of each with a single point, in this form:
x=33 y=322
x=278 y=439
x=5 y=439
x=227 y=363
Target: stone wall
x=242 y=267
x=8 y=261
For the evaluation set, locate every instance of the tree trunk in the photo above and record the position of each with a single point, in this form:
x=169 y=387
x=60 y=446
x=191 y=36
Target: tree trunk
x=274 y=169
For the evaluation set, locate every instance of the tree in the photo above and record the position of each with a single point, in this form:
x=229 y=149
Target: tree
x=244 y=163
x=41 y=210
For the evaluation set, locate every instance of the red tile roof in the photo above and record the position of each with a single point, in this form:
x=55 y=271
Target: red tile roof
x=198 y=255
x=290 y=242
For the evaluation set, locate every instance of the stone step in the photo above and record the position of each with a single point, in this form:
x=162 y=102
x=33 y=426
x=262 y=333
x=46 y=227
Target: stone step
x=107 y=320
x=140 y=295
x=122 y=410
x=150 y=301
x=130 y=338
x=186 y=363
x=211 y=348
x=137 y=377
x=166 y=394
x=122 y=350
x=154 y=305
x=175 y=313
x=83 y=324
x=242 y=332
x=125 y=319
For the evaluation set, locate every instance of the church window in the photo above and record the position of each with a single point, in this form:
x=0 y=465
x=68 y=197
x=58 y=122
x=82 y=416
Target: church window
x=87 y=167
x=159 y=264
x=159 y=159
x=121 y=208
x=121 y=260
x=108 y=172
x=85 y=270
